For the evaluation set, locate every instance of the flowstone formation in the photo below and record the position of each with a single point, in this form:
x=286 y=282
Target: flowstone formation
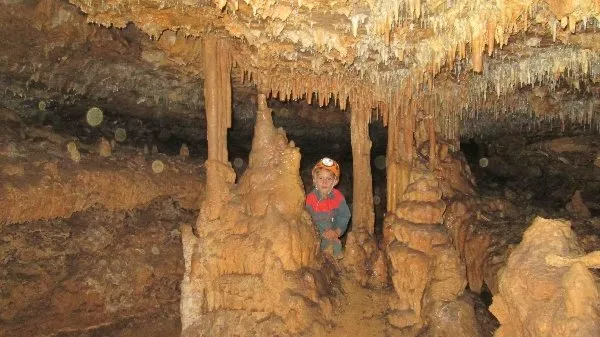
x=254 y=270
x=546 y=289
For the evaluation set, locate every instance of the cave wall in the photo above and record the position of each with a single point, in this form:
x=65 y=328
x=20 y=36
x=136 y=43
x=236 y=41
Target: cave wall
x=98 y=272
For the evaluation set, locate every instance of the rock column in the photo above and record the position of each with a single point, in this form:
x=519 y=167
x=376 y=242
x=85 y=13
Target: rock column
x=217 y=94
x=363 y=215
x=363 y=257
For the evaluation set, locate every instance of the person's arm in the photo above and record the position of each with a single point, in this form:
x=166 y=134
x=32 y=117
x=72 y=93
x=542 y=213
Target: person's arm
x=342 y=217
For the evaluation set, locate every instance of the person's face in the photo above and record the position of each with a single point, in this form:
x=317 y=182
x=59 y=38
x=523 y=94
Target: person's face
x=324 y=180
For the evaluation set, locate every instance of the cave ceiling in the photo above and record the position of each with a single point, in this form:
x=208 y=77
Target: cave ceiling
x=472 y=65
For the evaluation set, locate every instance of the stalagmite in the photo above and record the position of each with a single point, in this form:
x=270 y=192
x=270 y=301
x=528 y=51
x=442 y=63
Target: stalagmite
x=255 y=270
x=74 y=153
x=417 y=243
x=104 y=148
x=184 y=151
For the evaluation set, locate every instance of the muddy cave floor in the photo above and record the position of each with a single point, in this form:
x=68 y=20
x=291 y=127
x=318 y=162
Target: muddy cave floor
x=109 y=261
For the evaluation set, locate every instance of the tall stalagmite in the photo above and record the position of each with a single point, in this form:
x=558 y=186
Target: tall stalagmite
x=255 y=271
x=427 y=272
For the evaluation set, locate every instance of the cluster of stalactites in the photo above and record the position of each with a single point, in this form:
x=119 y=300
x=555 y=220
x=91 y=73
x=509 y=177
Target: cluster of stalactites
x=462 y=30
x=480 y=104
x=453 y=106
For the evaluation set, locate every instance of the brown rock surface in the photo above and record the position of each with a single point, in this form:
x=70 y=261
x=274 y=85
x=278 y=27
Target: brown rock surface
x=422 y=212
x=577 y=206
x=98 y=272
x=482 y=245
x=537 y=299
x=364 y=260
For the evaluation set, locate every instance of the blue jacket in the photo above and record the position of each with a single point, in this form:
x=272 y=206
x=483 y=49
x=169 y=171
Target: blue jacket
x=329 y=212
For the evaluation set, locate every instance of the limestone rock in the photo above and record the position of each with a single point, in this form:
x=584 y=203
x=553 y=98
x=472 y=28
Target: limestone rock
x=420 y=237
x=409 y=274
x=365 y=260
x=536 y=299
x=16 y=170
x=113 y=280
x=421 y=212
x=567 y=144
x=447 y=278
x=184 y=151
x=427 y=272
x=423 y=190
x=402 y=319
x=455 y=318
x=482 y=253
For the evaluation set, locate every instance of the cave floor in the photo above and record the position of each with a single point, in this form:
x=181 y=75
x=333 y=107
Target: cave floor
x=362 y=311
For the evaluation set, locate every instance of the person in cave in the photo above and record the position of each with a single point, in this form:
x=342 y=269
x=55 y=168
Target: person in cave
x=327 y=206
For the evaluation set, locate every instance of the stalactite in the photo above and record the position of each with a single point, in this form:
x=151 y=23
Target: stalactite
x=491 y=33
x=476 y=54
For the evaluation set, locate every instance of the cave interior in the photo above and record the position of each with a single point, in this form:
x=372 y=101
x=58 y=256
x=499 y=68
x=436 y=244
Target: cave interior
x=155 y=156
